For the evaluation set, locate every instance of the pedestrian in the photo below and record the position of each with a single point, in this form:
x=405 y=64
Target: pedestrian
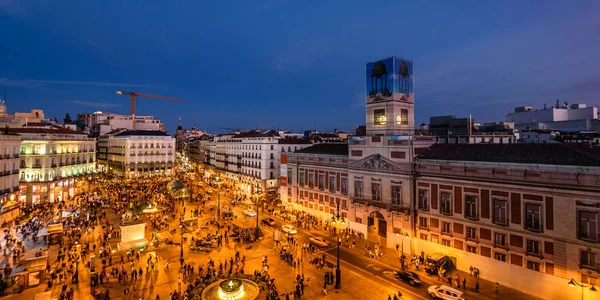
x=465 y=283
x=497 y=289
x=399 y=295
x=477 y=287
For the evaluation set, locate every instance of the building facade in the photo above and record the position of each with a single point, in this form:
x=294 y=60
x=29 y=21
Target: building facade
x=513 y=211
x=140 y=153
x=315 y=180
x=52 y=160
x=253 y=158
x=10 y=145
x=104 y=122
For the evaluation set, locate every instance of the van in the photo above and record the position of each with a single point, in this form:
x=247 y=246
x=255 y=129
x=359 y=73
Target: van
x=437 y=261
x=444 y=292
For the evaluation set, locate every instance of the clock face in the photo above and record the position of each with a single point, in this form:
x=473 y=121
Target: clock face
x=398 y=120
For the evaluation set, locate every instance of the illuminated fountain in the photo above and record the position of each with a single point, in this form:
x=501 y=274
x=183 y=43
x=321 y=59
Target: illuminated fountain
x=231 y=289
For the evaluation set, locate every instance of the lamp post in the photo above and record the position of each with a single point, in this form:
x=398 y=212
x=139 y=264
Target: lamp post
x=181 y=244
x=573 y=283
x=257 y=228
x=219 y=198
x=402 y=250
x=338 y=220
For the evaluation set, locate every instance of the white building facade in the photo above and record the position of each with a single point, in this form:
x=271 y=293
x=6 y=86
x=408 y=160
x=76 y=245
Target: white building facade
x=52 y=160
x=141 y=153
x=253 y=157
x=10 y=145
x=102 y=123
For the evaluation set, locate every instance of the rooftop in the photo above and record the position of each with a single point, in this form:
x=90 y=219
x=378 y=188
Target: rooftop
x=547 y=154
x=327 y=148
x=294 y=141
x=256 y=133
x=48 y=130
x=143 y=133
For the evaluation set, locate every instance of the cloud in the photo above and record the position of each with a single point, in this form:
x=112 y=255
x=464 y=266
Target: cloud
x=37 y=83
x=95 y=104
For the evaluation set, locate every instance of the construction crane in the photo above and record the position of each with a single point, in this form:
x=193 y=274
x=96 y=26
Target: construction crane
x=134 y=95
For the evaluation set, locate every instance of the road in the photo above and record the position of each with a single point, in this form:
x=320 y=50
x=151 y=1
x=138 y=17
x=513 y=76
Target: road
x=351 y=260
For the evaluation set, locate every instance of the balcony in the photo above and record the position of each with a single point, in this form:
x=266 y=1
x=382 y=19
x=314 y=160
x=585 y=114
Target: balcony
x=589 y=265
x=53 y=165
x=501 y=245
x=37 y=166
x=2 y=156
x=531 y=252
x=16 y=156
x=473 y=239
x=473 y=217
x=588 y=237
x=15 y=171
x=447 y=233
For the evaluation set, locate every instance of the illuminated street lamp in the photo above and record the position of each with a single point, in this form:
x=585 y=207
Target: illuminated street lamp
x=402 y=250
x=339 y=220
x=573 y=283
x=257 y=195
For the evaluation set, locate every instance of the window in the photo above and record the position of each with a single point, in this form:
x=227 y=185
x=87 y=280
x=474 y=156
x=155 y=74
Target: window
x=472 y=249
x=271 y=149
x=311 y=180
x=358 y=189
x=532 y=265
x=423 y=201
x=321 y=181
x=445 y=227
x=471 y=207
x=358 y=220
x=446 y=203
x=379 y=117
x=376 y=191
x=301 y=179
x=587 y=259
x=423 y=222
x=471 y=233
x=500 y=256
x=533 y=217
x=586 y=279
x=447 y=243
x=289 y=176
x=290 y=192
x=587 y=225
x=344 y=204
x=403 y=117
x=344 y=186
x=332 y=184
x=500 y=239
x=533 y=247
x=396 y=194
x=499 y=216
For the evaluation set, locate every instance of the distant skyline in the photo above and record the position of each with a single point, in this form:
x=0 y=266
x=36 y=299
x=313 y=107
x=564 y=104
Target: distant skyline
x=295 y=64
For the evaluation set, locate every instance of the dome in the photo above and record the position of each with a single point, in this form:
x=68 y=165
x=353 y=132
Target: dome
x=379 y=70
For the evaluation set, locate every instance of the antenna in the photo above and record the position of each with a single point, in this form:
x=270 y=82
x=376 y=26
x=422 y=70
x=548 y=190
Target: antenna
x=5 y=91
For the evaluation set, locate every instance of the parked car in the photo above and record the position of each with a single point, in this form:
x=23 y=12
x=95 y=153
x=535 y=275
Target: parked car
x=250 y=212
x=411 y=278
x=289 y=229
x=445 y=292
x=268 y=221
x=319 y=241
x=437 y=261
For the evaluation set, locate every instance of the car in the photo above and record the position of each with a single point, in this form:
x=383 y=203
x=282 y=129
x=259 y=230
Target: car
x=289 y=229
x=444 y=292
x=249 y=212
x=319 y=241
x=209 y=191
x=268 y=221
x=411 y=278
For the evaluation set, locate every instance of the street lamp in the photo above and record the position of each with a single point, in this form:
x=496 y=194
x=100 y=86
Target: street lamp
x=181 y=244
x=402 y=250
x=338 y=219
x=573 y=283
x=257 y=195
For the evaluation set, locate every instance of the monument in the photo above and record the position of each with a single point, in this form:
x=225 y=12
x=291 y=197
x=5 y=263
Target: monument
x=133 y=235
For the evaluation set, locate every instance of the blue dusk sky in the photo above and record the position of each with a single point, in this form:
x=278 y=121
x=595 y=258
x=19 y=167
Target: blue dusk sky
x=294 y=64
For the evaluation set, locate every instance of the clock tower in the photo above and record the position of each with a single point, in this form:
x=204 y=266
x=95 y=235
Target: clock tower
x=389 y=97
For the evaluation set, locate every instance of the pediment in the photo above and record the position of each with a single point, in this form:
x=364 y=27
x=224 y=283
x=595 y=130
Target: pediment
x=375 y=162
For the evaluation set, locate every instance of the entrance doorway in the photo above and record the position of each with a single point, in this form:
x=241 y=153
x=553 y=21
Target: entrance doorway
x=377 y=228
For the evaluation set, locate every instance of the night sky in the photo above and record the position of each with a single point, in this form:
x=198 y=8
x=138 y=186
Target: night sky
x=294 y=64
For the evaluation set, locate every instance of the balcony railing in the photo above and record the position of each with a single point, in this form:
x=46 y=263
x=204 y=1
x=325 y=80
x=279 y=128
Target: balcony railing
x=590 y=265
x=472 y=239
x=15 y=171
x=36 y=166
x=588 y=237
x=53 y=165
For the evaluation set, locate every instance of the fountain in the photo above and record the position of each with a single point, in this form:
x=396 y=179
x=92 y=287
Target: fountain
x=231 y=289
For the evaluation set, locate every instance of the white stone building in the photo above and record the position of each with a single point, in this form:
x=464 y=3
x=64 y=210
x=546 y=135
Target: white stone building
x=10 y=145
x=102 y=123
x=52 y=160
x=141 y=153
x=253 y=157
